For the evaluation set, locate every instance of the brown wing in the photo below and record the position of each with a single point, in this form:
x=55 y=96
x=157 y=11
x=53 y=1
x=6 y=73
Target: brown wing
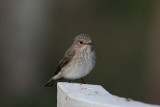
x=66 y=59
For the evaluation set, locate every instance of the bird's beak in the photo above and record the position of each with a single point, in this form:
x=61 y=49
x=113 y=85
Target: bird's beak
x=90 y=43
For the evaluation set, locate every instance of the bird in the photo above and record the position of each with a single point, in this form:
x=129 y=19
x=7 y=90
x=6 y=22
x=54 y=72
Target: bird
x=78 y=61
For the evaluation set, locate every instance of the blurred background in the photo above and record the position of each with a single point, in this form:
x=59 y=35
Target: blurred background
x=34 y=34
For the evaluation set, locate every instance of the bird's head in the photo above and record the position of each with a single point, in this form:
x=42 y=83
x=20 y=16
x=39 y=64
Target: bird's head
x=82 y=41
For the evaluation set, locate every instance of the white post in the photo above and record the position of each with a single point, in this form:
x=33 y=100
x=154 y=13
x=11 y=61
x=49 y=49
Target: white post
x=86 y=95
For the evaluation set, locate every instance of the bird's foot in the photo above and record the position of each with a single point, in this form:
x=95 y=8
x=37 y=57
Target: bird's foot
x=83 y=81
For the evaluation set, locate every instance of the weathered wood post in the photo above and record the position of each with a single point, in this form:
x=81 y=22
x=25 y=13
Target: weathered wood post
x=86 y=95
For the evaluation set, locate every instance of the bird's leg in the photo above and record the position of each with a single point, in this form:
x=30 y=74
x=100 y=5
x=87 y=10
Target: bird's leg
x=69 y=81
x=83 y=81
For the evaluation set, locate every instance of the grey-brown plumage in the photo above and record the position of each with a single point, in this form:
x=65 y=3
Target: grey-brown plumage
x=68 y=56
x=77 y=62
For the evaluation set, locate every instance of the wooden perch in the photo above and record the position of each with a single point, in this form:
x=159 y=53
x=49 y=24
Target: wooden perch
x=86 y=95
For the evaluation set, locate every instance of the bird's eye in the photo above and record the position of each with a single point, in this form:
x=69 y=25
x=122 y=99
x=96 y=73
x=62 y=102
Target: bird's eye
x=81 y=42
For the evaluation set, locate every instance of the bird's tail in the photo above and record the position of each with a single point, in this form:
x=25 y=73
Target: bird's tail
x=49 y=83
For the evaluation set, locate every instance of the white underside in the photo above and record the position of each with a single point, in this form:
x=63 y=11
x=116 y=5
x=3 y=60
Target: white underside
x=79 y=66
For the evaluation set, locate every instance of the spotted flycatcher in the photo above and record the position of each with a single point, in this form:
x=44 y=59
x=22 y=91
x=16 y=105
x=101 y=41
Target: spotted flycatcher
x=77 y=62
